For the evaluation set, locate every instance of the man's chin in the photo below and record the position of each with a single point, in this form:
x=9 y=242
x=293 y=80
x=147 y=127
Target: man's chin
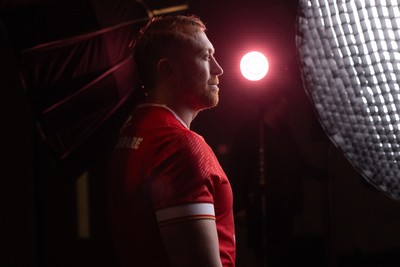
x=210 y=103
x=213 y=99
x=213 y=104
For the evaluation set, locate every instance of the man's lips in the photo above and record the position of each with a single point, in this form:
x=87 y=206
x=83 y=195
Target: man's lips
x=214 y=86
x=214 y=83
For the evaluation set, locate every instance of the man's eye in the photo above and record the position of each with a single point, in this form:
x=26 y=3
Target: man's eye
x=207 y=57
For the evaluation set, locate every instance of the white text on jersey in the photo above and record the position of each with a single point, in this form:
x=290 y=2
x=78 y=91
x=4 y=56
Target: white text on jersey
x=131 y=142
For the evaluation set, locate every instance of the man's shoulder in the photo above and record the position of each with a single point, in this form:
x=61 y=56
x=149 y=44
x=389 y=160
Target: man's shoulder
x=185 y=137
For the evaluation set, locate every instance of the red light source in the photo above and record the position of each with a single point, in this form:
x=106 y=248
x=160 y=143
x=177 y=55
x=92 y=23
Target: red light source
x=254 y=66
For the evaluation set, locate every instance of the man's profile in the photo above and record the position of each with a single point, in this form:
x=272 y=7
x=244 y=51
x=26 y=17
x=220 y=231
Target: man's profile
x=170 y=202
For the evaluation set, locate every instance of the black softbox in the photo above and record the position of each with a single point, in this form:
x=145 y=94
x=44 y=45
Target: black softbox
x=74 y=62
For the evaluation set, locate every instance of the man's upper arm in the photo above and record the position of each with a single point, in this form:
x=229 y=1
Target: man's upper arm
x=190 y=235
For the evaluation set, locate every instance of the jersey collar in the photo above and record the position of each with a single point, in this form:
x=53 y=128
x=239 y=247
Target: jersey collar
x=169 y=109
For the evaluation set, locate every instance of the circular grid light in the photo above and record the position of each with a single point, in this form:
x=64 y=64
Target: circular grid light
x=350 y=64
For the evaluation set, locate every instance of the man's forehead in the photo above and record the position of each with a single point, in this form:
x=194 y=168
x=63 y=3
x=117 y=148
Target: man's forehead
x=200 y=43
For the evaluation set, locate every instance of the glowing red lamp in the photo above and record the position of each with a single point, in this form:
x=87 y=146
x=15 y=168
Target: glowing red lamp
x=254 y=66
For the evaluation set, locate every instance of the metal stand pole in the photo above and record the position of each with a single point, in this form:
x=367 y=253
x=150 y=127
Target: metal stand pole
x=262 y=184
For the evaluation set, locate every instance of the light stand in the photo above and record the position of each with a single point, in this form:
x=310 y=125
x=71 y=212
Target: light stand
x=254 y=66
x=262 y=185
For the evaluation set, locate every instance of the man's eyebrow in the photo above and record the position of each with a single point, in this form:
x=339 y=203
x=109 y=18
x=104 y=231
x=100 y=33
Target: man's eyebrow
x=207 y=50
x=210 y=50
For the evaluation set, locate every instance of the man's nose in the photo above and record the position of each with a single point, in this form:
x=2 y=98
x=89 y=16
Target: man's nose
x=216 y=68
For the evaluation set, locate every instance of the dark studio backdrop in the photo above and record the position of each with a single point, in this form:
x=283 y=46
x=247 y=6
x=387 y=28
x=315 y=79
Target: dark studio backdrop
x=320 y=211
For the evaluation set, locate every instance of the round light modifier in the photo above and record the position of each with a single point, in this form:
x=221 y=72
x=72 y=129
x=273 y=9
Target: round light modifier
x=254 y=66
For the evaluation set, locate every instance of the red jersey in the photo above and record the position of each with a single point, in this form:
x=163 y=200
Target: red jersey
x=163 y=172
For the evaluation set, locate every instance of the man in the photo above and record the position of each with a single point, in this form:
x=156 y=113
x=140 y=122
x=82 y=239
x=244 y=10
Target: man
x=170 y=201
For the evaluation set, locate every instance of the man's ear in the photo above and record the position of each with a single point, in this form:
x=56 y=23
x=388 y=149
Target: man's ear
x=165 y=68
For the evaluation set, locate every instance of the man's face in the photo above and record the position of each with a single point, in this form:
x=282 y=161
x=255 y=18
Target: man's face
x=198 y=73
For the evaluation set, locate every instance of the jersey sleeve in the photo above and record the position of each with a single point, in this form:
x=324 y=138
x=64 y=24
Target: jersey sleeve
x=183 y=184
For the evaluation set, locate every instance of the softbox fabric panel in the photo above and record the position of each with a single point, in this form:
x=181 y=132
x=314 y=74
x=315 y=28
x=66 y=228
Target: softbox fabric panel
x=75 y=62
x=350 y=64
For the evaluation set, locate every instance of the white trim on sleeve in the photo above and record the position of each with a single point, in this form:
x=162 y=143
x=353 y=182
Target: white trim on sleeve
x=185 y=212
